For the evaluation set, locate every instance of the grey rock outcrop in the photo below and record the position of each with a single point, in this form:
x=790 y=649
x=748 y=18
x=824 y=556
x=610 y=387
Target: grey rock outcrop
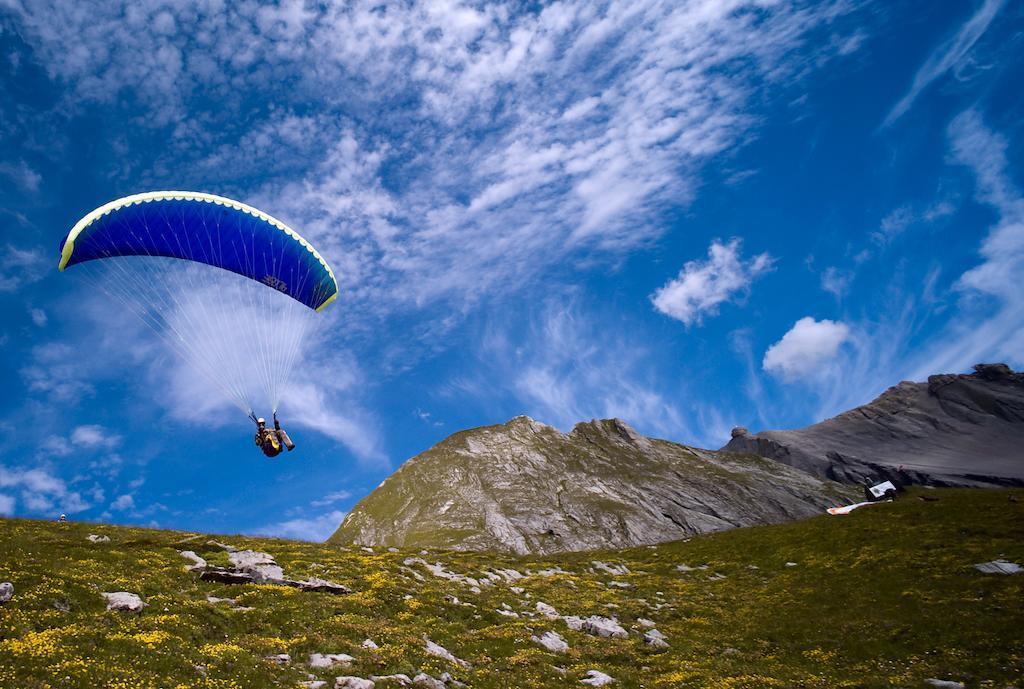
x=954 y=430
x=6 y=591
x=525 y=487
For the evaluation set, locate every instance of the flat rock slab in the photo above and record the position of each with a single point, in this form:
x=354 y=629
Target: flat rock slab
x=440 y=651
x=597 y=626
x=330 y=659
x=552 y=641
x=123 y=600
x=353 y=683
x=595 y=678
x=93 y=538
x=999 y=567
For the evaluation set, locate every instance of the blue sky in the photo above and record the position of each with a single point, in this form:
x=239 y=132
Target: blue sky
x=687 y=215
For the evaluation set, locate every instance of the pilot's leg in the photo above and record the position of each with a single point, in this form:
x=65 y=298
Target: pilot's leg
x=285 y=440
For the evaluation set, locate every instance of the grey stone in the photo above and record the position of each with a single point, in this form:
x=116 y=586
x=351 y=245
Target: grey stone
x=347 y=682
x=198 y=563
x=368 y=643
x=6 y=591
x=944 y=684
x=595 y=678
x=427 y=681
x=597 y=626
x=93 y=538
x=552 y=641
x=440 y=651
x=330 y=659
x=125 y=601
x=279 y=658
x=546 y=610
x=999 y=567
x=260 y=566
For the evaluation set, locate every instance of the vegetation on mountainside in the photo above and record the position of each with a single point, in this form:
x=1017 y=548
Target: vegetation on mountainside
x=886 y=596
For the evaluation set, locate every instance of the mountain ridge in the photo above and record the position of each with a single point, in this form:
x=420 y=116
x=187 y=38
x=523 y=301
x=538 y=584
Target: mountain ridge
x=953 y=430
x=526 y=487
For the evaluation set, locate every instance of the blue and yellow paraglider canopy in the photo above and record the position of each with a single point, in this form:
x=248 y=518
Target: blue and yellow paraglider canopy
x=209 y=229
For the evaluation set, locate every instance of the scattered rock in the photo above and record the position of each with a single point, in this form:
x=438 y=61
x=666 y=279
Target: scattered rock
x=6 y=591
x=354 y=683
x=620 y=585
x=261 y=566
x=597 y=679
x=546 y=610
x=392 y=550
x=314 y=684
x=226 y=576
x=368 y=643
x=552 y=641
x=214 y=600
x=428 y=681
x=59 y=604
x=791 y=564
x=597 y=626
x=655 y=639
x=97 y=539
x=507 y=613
x=644 y=622
x=318 y=584
x=617 y=570
x=402 y=679
x=279 y=658
x=198 y=563
x=122 y=600
x=944 y=684
x=999 y=567
x=440 y=651
x=229 y=548
x=330 y=659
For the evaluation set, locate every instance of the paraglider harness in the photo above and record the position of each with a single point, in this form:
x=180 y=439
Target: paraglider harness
x=271 y=441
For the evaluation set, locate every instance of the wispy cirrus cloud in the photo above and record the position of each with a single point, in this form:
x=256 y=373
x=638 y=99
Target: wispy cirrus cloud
x=946 y=56
x=517 y=138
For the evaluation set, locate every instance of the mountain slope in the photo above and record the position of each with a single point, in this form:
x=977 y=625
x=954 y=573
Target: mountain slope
x=885 y=597
x=954 y=430
x=525 y=487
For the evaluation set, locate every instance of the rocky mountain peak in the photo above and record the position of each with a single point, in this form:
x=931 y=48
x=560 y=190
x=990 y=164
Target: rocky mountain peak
x=526 y=487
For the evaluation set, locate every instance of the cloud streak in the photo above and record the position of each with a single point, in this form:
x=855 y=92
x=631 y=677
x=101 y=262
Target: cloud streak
x=946 y=56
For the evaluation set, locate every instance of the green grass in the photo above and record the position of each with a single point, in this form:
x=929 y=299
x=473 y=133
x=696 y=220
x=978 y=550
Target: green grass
x=886 y=596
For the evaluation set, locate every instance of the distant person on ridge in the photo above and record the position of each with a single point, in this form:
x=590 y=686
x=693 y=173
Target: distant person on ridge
x=271 y=441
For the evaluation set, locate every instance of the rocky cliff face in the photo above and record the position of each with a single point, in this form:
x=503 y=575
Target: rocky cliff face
x=954 y=430
x=525 y=487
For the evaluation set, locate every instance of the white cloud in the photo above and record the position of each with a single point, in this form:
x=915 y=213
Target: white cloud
x=41 y=491
x=6 y=505
x=569 y=367
x=313 y=529
x=702 y=286
x=990 y=324
x=541 y=135
x=123 y=502
x=332 y=498
x=93 y=436
x=21 y=175
x=898 y=220
x=20 y=267
x=947 y=55
x=836 y=281
x=809 y=346
x=38 y=317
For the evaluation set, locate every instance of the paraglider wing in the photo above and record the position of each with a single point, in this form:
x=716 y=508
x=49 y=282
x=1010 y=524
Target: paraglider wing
x=208 y=229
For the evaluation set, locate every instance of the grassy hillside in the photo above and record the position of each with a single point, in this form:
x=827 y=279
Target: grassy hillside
x=886 y=596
